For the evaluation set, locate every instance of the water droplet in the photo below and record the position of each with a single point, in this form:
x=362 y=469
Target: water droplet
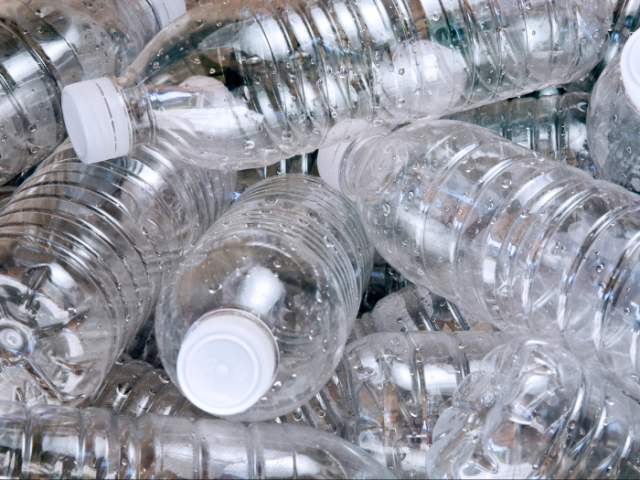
x=212 y=71
x=401 y=71
x=249 y=145
x=123 y=389
x=156 y=65
x=386 y=209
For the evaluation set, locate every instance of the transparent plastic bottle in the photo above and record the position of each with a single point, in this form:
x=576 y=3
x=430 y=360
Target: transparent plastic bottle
x=49 y=44
x=626 y=22
x=255 y=320
x=532 y=410
x=553 y=125
x=503 y=232
x=613 y=121
x=245 y=84
x=83 y=252
x=64 y=442
x=135 y=388
x=389 y=390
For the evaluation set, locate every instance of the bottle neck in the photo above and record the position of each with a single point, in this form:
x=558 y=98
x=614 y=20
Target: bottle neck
x=353 y=158
x=138 y=106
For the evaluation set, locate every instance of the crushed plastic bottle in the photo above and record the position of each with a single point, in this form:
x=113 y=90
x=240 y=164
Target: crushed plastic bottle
x=83 y=253
x=255 y=319
x=390 y=389
x=614 y=119
x=49 y=44
x=553 y=125
x=532 y=410
x=515 y=238
x=238 y=85
x=63 y=442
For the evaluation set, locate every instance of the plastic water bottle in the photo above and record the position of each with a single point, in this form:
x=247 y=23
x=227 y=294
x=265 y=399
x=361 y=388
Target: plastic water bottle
x=239 y=86
x=135 y=388
x=532 y=410
x=504 y=233
x=83 y=252
x=256 y=318
x=390 y=389
x=302 y=164
x=553 y=125
x=614 y=119
x=49 y=44
x=64 y=442
x=417 y=309
x=626 y=21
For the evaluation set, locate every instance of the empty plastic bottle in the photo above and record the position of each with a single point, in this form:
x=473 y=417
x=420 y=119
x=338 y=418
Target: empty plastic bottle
x=614 y=119
x=626 y=21
x=245 y=84
x=256 y=318
x=49 y=44
x=83 y=251
x=135 y=388
x=513 y=237
x=532 y=410
x=390 y=389
x=64 y=442
x=553 y=125
x=415 y=308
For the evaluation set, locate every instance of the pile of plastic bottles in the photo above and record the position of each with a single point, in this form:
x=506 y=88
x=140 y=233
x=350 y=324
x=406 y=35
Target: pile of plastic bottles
x=319 y=239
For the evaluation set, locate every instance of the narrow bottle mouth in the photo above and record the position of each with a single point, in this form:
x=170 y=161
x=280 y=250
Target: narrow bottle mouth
x=227 y=362
x=97 y=120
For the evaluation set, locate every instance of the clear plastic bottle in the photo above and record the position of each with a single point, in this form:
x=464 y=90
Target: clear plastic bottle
x=553 y=125
x=503 y=232
x=64 y=442
x=626 y=22
x=613 y=121
x=389 y=390
x=245 y=84
x=49 y=44
x=83 y=252
x=532 y=410
x=135 y=388
x=255 y=320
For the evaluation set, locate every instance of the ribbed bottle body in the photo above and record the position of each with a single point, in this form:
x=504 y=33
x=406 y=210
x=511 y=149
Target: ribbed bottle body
x=63 y=442
x=552 y=125
x=134 y=388
x=557 y=250
x=532 y=410
x=84 y=250
x=305 y=241
x=48 y=44
x=613 y=123
x=399 y=384
x=241 y=85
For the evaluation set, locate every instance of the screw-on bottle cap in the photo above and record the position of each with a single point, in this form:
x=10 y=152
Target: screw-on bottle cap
x=96 y=119
x=630 y=68
x=226 y=362
x=168 y=10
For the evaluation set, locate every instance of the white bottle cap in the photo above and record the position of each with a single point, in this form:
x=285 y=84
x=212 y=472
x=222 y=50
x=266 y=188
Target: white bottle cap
x=227 y=361
x=630 y=67
x=330 y=162
x=96 y=119
x=168 y=10
x=260 y=290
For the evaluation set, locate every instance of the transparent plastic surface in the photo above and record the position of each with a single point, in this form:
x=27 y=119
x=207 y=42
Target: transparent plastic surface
x=532 y=410
x=552 y=125
x=245 y=84
x=83 y=252
x=135 y=388
x=507 y=234
x=389 y=390
x=48 y=44
x=308 y=240
x=626 y=21
x=64 y=442
x=613 y=124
